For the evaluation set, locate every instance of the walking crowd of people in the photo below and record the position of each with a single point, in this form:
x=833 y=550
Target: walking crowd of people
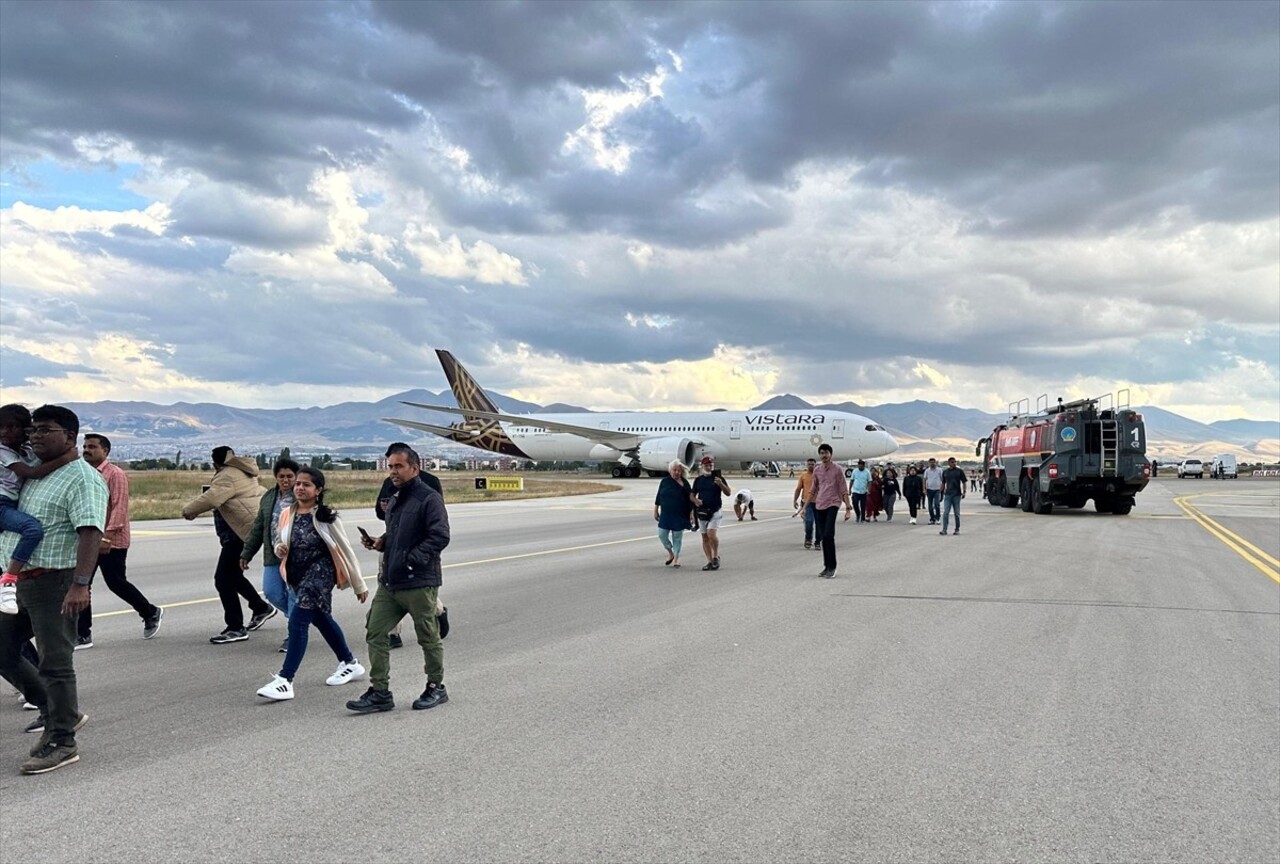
x=820 y=490
x=64 y=514
x=64 y=511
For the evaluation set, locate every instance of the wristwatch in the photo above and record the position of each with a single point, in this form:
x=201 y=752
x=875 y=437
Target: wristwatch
x=86 y=581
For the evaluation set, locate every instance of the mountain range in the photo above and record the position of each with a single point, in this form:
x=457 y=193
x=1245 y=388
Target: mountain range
x=145 y=429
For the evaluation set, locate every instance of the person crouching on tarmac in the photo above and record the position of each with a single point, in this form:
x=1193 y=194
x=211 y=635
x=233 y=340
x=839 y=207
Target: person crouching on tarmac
x=708 y=491
x=744 y=504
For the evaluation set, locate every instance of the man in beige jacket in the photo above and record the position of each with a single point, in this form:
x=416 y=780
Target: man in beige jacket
x=233 y=496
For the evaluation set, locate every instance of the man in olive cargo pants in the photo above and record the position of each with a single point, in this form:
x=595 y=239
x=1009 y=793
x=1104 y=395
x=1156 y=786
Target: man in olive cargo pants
x=417 y=532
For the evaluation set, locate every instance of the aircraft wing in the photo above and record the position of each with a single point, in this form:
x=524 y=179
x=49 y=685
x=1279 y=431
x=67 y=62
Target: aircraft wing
x=443 y=431
x=617 y=440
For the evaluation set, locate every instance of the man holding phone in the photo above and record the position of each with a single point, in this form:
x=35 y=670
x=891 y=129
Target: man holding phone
x=380 y=510
x=409 y=583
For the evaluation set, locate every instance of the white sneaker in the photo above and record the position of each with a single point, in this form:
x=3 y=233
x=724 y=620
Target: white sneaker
x=278 y=689
x=913 y=521
x=352 y=671
x=9 y=598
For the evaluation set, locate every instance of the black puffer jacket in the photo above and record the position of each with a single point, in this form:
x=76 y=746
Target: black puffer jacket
x=417 y=532
x=913 y=487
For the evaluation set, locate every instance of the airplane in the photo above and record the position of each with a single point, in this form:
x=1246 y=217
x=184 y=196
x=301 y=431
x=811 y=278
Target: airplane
x=647 y=441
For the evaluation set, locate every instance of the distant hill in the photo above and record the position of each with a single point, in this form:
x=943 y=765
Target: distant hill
x=785 y=402
x=141 y=429
x=1247 y=429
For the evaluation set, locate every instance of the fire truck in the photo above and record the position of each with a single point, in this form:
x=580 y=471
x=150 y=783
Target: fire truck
x=1066 y=454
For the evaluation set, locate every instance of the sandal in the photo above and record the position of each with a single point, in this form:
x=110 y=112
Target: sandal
x=670 y=557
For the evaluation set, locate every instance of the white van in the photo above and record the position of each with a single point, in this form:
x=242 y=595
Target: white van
x=1222 y=467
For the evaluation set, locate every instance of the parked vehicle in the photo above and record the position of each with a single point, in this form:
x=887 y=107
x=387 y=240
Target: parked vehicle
x=765 y=469
x=1191 y=468
x=1222 y=467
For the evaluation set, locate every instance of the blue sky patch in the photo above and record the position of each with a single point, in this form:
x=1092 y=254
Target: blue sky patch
x=49 y=185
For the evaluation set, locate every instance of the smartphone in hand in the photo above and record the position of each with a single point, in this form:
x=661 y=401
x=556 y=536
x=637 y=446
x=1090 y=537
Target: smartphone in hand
x=364 y=534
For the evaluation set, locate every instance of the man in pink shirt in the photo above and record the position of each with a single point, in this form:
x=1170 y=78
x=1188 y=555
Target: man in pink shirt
x=829 y=491
x=115 y=544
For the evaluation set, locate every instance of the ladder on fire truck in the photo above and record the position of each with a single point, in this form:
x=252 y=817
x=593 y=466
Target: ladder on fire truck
x=1110 y=429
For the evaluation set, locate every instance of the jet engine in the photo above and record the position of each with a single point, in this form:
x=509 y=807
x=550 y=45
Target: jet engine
x=656 y=454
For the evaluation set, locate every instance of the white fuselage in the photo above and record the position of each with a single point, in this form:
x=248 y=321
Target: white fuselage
x=745 y=436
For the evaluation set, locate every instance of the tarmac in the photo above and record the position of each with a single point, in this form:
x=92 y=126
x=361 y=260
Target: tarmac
x=1072 y=687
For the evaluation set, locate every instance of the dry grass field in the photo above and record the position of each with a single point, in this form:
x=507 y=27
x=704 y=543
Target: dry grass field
x=161 y=494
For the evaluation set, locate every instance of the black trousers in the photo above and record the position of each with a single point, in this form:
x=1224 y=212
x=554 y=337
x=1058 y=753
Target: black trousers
x=112 y=566
x=825 y=529
x=230 y=583
x=860 y=506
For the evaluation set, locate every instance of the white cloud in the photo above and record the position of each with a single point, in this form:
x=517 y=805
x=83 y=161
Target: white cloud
x=73 y=220
x=449 y=258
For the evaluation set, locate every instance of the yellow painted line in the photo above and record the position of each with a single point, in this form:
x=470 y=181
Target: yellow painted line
x=1246 y=550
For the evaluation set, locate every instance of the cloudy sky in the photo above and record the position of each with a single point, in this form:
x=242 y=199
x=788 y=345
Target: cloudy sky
x=658 y=204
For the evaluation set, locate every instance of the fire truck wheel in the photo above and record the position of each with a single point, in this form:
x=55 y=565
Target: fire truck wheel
x=1025 y=494
x=1038 y=503
x=1122 y=507
x=1103 y=505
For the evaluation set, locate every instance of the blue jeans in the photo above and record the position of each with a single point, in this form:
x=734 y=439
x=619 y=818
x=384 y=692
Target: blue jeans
x=671 y=540
x=809 y=517
x=949 y=503
x=276 y=590
x=29 y=529
x=934 y=496
x=300 y=621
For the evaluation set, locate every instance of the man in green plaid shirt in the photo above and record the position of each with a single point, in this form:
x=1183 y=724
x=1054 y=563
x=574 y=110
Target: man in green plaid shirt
x=71 y=504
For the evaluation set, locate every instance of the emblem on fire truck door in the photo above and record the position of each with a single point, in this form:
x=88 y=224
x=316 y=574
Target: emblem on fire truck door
x=1068 y=434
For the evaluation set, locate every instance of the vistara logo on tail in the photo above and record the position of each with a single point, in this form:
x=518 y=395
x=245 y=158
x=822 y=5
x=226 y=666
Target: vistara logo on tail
x=486 y=434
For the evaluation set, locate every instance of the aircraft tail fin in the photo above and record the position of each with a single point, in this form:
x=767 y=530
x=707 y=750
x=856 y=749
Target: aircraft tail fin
x=465 y=389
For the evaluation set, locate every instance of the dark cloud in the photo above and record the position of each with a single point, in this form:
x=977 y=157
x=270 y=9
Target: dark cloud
x=24 y=370
x=227 y=213
x=1030 y=121
x=1042 y=116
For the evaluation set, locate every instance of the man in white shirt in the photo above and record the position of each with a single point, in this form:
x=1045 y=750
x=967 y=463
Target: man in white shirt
x=933 y=490
x=744 y=504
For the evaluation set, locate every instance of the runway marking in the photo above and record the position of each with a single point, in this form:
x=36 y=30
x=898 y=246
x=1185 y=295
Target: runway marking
x=1038 y=601
x=161 y=605
x=164 y=532
x=646 y=537
x=1266 y=563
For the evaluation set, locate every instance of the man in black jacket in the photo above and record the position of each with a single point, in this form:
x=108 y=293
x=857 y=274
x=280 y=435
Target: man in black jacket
x=417 y=531
x=380 y=510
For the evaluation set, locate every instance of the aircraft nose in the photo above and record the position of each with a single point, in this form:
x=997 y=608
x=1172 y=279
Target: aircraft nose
x=890 y=443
